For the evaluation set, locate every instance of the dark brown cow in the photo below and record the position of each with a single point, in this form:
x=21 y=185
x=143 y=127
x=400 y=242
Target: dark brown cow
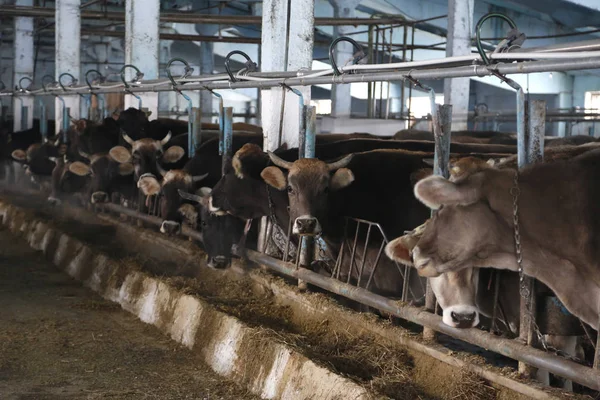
x=560 y=240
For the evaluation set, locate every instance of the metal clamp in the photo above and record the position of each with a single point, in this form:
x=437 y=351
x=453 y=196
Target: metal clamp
x=73 y=80
x=358 y=55
x=139 y=75
x=251 y=66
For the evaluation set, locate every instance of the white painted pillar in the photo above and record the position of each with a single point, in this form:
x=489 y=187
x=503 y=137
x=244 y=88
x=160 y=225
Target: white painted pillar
x=142 y=48
x=207 y=60
x=565 y=100
x=279 y=54
x=68 y=44
x=23 y=66
x=460 y=29
x=164 y=98
x=341 y=100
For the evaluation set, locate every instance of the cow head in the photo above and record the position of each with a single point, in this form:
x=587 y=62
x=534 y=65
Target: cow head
x=39 y=157
x=455 y=291
x=67 y=178
x=146 y=154
x=172 y=209
x=241 y=190
x=104 y=173
x=219 y=232
x=133 y=121
x=308 y=183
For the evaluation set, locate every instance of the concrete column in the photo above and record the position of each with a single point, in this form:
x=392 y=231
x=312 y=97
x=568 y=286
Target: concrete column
x=341 y=100
x=207 y=58
x=142 y=47
x=460 y=28
x=164 y=98
x=279 y=54
x=23 y=65
x=68 y=44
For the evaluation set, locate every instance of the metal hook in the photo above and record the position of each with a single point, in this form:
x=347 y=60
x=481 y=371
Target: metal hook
x=21 y=88
x=2 y=86
x=138 y=77
x=44 y=85
x=99 y=78
x=73 y=80
x=359 y=55
x=187 y=72
x=480 y=50
x=251 y=66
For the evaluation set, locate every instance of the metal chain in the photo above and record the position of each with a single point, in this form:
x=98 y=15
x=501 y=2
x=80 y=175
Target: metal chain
x=523 y=289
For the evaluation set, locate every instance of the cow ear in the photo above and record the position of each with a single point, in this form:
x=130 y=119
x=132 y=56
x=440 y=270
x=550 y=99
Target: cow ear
x=342 y=178
x=79 y=168
x=126 y=169
x=120 y=154
x=173 y=154
x=148 y=113
x=19 y=155
x=274 y=177
x=436 y=191
x=399 y=250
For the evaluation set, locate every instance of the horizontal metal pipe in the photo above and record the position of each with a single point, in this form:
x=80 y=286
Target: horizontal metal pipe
x=509 y=348
x=185 y=231
x=437 y=73
x=17 y=11
x=178 y=36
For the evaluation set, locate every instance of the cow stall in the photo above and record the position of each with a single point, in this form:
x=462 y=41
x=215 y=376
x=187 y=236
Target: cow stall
x=351 y=271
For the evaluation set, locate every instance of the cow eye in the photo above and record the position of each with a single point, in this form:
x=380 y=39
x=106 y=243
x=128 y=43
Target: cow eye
x=135 y=154
x=290 y=190
x=159 y=153
x=203 y=223
x=326 y=190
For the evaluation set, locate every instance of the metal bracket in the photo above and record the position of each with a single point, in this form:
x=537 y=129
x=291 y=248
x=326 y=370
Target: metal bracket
x=188 y=71
x=357 y=56
x=251 y=66
x=21 y=88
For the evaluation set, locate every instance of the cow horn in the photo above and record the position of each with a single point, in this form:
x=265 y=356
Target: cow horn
x=162 y=171
x=127 y=138
x=198 y=178
x=57 y=141
x=279 y=161
x=166 y=139
x=190 y=196
x=340 y=163
x=84 y=154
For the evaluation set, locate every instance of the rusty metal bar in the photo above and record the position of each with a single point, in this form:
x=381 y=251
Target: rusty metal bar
x=507 y=347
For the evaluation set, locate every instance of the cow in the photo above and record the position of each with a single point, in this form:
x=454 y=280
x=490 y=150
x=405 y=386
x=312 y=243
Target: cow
x=229 y=228
x=110 y=180
x=556 y=203
x=67 y=178
x=205 y=166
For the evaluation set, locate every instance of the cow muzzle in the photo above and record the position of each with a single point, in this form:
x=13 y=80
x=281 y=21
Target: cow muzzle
x=306 y=225
x=54 y=201
x=461 y=316
x=219 y=262
x=99 y=197
x=170 y=227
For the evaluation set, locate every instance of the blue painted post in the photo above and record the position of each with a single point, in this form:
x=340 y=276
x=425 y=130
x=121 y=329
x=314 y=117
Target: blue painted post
x=24 y=117
x=311 y=131
x=227 y=141
x=66 y=122
x=197 y=127
x=43 y=121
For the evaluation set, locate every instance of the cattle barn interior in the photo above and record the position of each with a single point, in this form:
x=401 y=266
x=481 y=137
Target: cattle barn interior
x=318 y=199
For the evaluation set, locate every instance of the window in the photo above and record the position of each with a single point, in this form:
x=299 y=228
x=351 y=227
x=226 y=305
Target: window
x=323 y=106
x=592 y=102
x=421 y=105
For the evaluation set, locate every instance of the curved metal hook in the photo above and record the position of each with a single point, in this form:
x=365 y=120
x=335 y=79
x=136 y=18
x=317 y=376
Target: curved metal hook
x=188 y=70
x=251 y=66
x=100 y=77
x=45 y=84
x=2 y=85
x=138 y=75
x=480 y=50
x=360 y=54
x=21 y=88
x=73 y=80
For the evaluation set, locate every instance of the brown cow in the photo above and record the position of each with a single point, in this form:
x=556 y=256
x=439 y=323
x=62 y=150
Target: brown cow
x=559 y=237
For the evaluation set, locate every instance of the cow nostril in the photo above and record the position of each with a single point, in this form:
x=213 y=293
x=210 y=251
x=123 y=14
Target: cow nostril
x=466 y=317
x=469 y=317
x=454 y=316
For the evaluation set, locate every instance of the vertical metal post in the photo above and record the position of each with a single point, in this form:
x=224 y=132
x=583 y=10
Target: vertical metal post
x=370 y=84
x=521 y=129
x=196 y=127
x=24 y=117
x=43 y=120
x=302 y=133
x=65 y=123
x=311 y=131
x=442 y=127
x=227 y=137
x=533 y=146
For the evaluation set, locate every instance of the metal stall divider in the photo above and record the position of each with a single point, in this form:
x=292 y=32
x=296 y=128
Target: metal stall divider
x=187 y=72
x=93 y=113
x=24 y=109
x=65 y=110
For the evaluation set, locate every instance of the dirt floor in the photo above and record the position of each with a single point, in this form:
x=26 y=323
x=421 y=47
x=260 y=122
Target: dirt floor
x=59 y=340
